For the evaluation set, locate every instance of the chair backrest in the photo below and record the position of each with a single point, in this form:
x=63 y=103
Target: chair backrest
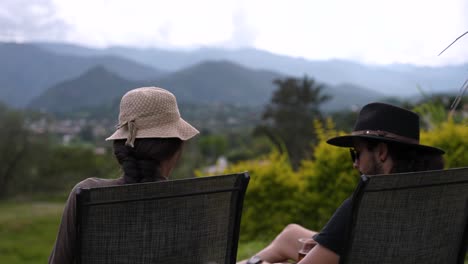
x=410 y=218
x=181 y=221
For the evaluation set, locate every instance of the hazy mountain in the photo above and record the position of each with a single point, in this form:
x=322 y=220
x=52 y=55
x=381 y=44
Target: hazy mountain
x=345 y=96
x=28 y=70
x=208 y=83
x=96 y=87
x=224 y=81
x=221 y=81
x=169 y=60
x=393 y=80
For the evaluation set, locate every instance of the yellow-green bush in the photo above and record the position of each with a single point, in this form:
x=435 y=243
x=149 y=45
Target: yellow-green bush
x=272 y=198
x=278 y=196
x=329 y=177
x=451 y=137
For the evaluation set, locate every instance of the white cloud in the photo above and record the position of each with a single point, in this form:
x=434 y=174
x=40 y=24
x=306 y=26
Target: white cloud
x=23 y=20
x=384 y=31
x=154 y=23
x=367 y=30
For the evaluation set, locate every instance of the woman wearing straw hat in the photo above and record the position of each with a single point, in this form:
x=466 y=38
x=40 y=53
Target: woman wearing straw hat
x=147 y=144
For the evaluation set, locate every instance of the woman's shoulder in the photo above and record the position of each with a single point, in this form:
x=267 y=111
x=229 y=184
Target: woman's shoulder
x=97 y=182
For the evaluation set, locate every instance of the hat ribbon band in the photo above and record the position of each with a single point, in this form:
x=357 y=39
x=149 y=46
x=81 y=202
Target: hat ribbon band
x=132 y=129
x=385 y=134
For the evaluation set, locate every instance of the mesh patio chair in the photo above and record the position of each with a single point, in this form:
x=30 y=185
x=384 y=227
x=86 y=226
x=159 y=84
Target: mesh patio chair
x=181 y=221
x=410 y=218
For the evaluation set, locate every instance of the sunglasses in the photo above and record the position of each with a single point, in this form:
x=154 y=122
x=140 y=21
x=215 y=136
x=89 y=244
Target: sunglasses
x=354 y=154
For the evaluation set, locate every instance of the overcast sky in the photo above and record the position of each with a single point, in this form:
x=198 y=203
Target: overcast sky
x=368 y=31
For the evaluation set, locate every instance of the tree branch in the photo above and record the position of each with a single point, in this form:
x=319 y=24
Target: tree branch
x=453 y=42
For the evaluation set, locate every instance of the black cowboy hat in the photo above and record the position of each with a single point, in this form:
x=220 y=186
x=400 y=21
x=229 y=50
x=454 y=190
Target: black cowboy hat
x=386 y=123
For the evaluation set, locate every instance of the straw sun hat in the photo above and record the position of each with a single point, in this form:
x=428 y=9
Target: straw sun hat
x=150 y=112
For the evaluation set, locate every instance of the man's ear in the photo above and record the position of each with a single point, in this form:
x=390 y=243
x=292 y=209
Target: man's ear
x=382 y=149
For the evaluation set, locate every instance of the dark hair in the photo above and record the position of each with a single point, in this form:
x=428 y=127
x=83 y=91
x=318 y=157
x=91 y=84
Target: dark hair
x=407 y=158
x=141 y=163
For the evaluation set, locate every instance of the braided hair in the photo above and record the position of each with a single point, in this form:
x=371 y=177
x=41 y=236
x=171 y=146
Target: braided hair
x=142 y=162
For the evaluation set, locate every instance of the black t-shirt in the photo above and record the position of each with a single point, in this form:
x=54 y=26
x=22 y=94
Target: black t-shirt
x=334 y=235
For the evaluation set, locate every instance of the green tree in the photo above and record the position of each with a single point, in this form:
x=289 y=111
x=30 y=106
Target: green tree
x=13 y=146
x=437 y=109
x=60 y=167
x=212 y=146
x=288 y=118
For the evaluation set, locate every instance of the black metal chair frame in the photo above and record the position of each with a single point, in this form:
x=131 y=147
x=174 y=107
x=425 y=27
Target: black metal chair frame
x=378 y=184
x=85 y=202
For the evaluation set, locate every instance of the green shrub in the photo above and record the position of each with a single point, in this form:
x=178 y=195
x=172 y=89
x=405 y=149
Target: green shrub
x=329 y=178
x=278 y=196
x=451 y=137
x=272 y=197
x=56 y=169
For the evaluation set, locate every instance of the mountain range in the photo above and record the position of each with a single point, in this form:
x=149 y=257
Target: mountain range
x=27 y=70
x=64 y=77
x=393 y=80
x=206 y=83
x=98 y=86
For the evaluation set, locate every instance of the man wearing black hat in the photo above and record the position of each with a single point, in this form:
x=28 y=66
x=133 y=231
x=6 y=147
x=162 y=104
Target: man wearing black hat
x=385 y=140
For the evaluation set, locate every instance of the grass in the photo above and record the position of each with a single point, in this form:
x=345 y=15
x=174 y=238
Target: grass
x=248 y=249
x=27 y=231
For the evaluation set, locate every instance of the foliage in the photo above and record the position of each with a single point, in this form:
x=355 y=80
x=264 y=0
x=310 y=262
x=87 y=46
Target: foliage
x=444 y=129
x=212 y=146
x=330 y=177
x=288 y=118
x=55 y=169
x=13 y=147
x=36 y=161
x=436 y=109
x=451 y=137
x=273 y=195
x=190 y=160
x=249 y=248
x=432 y=114
x=242 y=146
x=277 y=195
x=344 y=120
x=68 y=165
